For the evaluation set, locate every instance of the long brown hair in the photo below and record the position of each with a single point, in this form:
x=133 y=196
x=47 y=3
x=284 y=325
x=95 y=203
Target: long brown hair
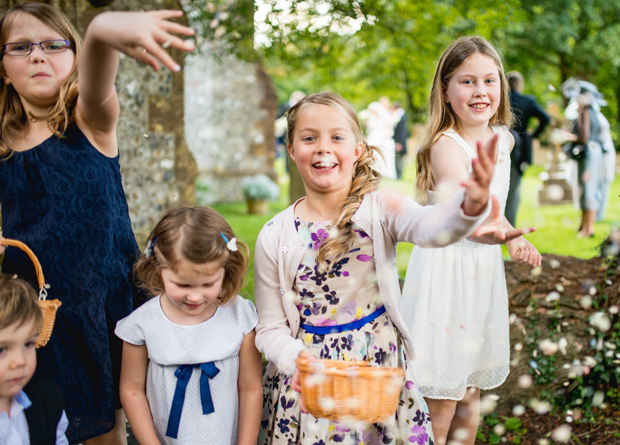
x=365 y=178
x=193 y=234
x=441 y=116
x=60 y=114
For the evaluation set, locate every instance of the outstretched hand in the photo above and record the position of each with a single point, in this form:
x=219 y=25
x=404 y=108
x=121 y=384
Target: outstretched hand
x=477 y=193
x=144 y=35
x=524 y=252
x=492 y=230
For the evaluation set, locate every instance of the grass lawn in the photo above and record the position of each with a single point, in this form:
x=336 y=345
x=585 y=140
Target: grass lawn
x=557 y=225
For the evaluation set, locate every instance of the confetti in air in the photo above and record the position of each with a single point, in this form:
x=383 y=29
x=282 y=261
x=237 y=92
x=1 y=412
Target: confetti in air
x=525 y=381
x=562 y=433
x=488 y=403
x=518 y=410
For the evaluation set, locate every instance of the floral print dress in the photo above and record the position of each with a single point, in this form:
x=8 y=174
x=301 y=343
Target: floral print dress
x=345 y=292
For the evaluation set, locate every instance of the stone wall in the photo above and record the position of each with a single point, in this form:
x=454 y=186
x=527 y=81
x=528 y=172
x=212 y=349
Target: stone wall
x=158 y=170
x=230 y=110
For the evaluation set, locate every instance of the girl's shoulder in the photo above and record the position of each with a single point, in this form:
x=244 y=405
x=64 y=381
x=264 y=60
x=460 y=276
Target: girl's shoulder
x=132 y=328
x=506 y=139
x=276 y=225
x=241 y=313
x=147 y=309
x=451 y=146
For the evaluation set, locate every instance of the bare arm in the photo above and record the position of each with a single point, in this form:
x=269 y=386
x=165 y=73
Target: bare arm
x=584 y=126
x=107 y=35
x=133 y=393
x=250 y=386
x=449 y=165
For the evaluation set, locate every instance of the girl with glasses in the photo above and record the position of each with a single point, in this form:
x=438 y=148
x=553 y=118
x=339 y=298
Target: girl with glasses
x=61 y=190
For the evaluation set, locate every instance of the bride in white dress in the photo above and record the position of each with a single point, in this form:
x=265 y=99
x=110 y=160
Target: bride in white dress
x=380 y=127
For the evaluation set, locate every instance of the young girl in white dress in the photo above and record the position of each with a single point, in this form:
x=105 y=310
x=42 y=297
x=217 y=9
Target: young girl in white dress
x=325 y=277
x=191 y=373
x=454 y=299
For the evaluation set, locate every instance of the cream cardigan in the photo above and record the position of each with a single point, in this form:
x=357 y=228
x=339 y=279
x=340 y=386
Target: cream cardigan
x=279 y=251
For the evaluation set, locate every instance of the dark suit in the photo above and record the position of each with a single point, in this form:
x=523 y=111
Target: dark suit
x=401 y=134
x=524 y=107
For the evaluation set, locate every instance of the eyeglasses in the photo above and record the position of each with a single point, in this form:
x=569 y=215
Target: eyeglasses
x=26 y=48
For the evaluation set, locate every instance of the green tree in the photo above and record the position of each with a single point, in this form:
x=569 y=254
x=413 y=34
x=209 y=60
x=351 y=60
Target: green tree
x=558 y=39
x=393 y=53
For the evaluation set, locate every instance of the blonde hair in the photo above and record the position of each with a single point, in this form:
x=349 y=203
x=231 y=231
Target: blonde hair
x=18 y=303
x=61 y=113
x=193 y=234
x=441 y=116
x=364 y=178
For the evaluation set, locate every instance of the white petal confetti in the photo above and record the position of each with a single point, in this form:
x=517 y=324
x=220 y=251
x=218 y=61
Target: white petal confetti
x=585 y=302
x=548 y=347
x=525 y=381
x=562 y=433
x=553 y=296
x=601 y=321
x=488 y=403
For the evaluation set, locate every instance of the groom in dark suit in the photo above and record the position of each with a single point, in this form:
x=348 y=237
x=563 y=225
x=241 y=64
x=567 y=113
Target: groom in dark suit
x=524 y=107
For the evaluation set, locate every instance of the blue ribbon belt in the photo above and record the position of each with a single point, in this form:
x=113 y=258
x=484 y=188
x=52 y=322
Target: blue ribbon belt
x=344 y=327
x=183 y=374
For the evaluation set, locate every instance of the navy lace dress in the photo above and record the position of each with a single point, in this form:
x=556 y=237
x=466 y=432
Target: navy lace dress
x=65 y=200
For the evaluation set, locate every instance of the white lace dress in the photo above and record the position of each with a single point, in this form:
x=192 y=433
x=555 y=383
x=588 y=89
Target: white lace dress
x=456 y=304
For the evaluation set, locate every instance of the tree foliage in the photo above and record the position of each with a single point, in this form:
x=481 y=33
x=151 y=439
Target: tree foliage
x=363 y=49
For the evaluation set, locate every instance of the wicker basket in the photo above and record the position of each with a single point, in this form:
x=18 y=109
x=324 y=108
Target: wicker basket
x=48 y=307
x=349 y=390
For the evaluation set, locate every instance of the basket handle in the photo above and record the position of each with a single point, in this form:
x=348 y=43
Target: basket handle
x=35 y=261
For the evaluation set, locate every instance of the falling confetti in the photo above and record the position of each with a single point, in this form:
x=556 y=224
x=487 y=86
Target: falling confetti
x=548 y=347
x=488 y=403
x=601 y=321
x=553 y=296
x=525 y=381
x=562 y=433
x=554 y=264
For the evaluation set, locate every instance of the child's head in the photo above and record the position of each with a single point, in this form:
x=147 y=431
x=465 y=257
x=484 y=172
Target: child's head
x=194 y=239
x=327 y=144
x=53 y=93
x=469 y=88
x=20 y=318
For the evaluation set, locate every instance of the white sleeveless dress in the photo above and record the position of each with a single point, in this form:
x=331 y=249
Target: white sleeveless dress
x=456 y=304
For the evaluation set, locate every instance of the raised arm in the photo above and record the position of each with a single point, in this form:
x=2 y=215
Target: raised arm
x=140 y=35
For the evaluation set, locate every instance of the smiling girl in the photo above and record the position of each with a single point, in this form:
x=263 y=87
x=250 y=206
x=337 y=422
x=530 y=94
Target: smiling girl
x=62 y=195
x=454 y=299
x=191 y=373
x=325 y=275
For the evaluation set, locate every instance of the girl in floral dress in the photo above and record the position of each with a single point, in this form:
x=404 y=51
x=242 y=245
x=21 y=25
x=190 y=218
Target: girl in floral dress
x=325 y=274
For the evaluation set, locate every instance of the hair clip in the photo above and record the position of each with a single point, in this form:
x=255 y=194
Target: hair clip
x=232 y=244
x=150 y=248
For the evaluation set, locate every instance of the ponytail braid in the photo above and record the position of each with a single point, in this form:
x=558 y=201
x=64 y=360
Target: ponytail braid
x=365 y=180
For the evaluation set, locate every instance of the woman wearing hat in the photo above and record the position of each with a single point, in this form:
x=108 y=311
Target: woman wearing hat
x=590 y=167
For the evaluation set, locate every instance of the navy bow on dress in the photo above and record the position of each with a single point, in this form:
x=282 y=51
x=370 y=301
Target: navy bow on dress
x=183 y=374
